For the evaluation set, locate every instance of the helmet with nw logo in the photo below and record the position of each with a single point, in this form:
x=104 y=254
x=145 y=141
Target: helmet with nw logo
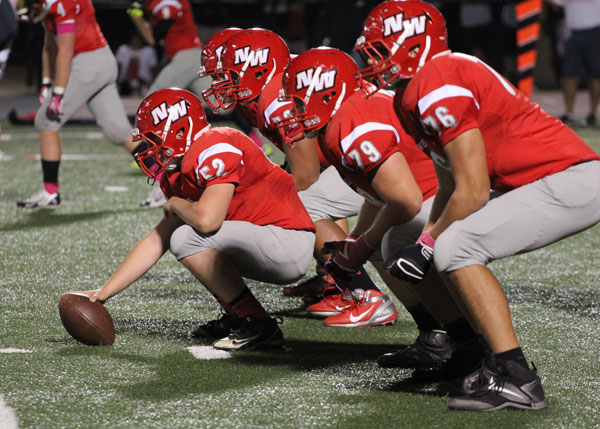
x=249 y=60
x=168 y=121
x=397 y=39
x=317 y=82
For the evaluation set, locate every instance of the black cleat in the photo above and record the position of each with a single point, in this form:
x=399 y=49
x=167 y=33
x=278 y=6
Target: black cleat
x=506 y=385
x=430 y=349
x=313 y=286
x=252 y=333
x=215 y=329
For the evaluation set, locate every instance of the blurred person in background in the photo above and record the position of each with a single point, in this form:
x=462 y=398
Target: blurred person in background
x=581 y=55
x=78 y=68
x=136 y=66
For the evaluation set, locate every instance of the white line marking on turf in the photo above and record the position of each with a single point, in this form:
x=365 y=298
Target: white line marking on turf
x=89 y=135
x=4 y=157
x=116 y=188
x=207 y=353
x=82 y=157
x=8 y=419
x=11 y=350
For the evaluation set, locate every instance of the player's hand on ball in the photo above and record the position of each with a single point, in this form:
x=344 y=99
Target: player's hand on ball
x=349 y=254
x=411 y=263
x=94 y=295
x=55 y=108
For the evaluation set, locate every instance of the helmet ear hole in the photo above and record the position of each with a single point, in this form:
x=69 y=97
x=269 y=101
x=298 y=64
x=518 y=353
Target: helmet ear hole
x=326 y=99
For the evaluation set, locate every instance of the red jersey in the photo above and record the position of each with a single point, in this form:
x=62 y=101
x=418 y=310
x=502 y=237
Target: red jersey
x=264 y=193
x=78 y=16
x=363 y=134
x=454 y=93
x=270 y=110
x=182 y=34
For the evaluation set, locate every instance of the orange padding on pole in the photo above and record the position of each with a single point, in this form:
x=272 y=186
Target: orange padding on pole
x=528 y=34
x=526 y=60
x=527 y=8
x=526 y=86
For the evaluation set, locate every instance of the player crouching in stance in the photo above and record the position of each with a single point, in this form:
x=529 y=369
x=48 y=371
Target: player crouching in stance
x=230 y=213
x=482 y=134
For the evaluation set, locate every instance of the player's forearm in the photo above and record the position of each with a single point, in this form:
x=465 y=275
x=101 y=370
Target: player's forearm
x=195 y=215
x=459 y=206
x=144 y=29
x=142 y=257
x=368 y=212
x=48 y=59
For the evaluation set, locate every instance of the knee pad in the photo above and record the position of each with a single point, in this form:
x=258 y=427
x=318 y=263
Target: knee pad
x=42 y=123
x=117 y=135
x=456 y=248
x=180 y=243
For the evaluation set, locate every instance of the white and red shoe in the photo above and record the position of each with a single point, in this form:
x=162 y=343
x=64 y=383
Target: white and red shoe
x=334 y=301
x=370 y=308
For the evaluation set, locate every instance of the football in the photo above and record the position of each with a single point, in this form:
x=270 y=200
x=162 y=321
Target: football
x=88 y=322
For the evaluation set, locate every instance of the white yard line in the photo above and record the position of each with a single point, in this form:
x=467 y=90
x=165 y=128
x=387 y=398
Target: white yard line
x=11 y=350
x=8 y=419
x=207 y=353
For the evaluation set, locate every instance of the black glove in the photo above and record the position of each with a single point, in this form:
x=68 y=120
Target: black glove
x=410 y=263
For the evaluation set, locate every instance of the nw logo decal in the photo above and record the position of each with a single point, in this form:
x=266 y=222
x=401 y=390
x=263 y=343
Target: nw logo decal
x=397 y=24
x=161 y=112
x=325 y=80
x=258 y=57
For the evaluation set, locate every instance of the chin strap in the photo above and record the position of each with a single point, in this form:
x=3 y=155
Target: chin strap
x=425 y=52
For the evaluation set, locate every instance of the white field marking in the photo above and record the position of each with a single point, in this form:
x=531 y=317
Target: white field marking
x=8 y=419
x=11 y=350
x=207 y=353
x=5 y=157
x=88 y=135
x=81 y=157
x=116 y=188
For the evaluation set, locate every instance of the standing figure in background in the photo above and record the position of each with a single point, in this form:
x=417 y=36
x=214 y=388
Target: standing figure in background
x=78 y=68
x=581 y=56
x=169 y=24
x=136 y=66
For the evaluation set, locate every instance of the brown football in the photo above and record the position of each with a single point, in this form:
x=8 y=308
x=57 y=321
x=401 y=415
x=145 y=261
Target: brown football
x=88 y=322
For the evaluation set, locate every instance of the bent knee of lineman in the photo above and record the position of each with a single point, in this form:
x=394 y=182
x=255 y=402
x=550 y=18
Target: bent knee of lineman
x=185 y=241
x=116 y=134
x=457 y=248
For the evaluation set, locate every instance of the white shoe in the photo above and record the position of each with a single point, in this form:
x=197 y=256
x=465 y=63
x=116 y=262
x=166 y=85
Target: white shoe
x=156 y=197
x=41 y=199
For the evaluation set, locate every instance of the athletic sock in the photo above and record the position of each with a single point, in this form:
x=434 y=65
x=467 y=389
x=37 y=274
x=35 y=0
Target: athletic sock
x=460 y=329
x=424 y=320
x=245 y=304
x=353 y=281
x=515 y=354
x=50 y=175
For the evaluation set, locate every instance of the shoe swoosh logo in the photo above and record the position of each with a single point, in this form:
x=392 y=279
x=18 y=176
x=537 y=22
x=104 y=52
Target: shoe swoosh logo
x=338 y=308
x=501 y=389
x=361 y=316
x=244 y=341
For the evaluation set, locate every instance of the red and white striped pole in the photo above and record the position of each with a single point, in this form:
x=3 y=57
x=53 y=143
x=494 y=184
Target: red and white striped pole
x=528 y=13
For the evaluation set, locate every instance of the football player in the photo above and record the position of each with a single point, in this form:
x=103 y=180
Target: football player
x=365 y=142
x=169 y=24
x=211 y=52
x=230 y=213
x=78 y=68
x=483 y=135
x=249 y=77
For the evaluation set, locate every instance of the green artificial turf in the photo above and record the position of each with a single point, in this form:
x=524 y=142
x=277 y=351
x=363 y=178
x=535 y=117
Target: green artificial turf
x=324 y=377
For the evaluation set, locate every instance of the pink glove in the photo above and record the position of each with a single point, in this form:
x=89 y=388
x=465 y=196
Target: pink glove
x=349 y=254
x=55 y=108
x=44 y=92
